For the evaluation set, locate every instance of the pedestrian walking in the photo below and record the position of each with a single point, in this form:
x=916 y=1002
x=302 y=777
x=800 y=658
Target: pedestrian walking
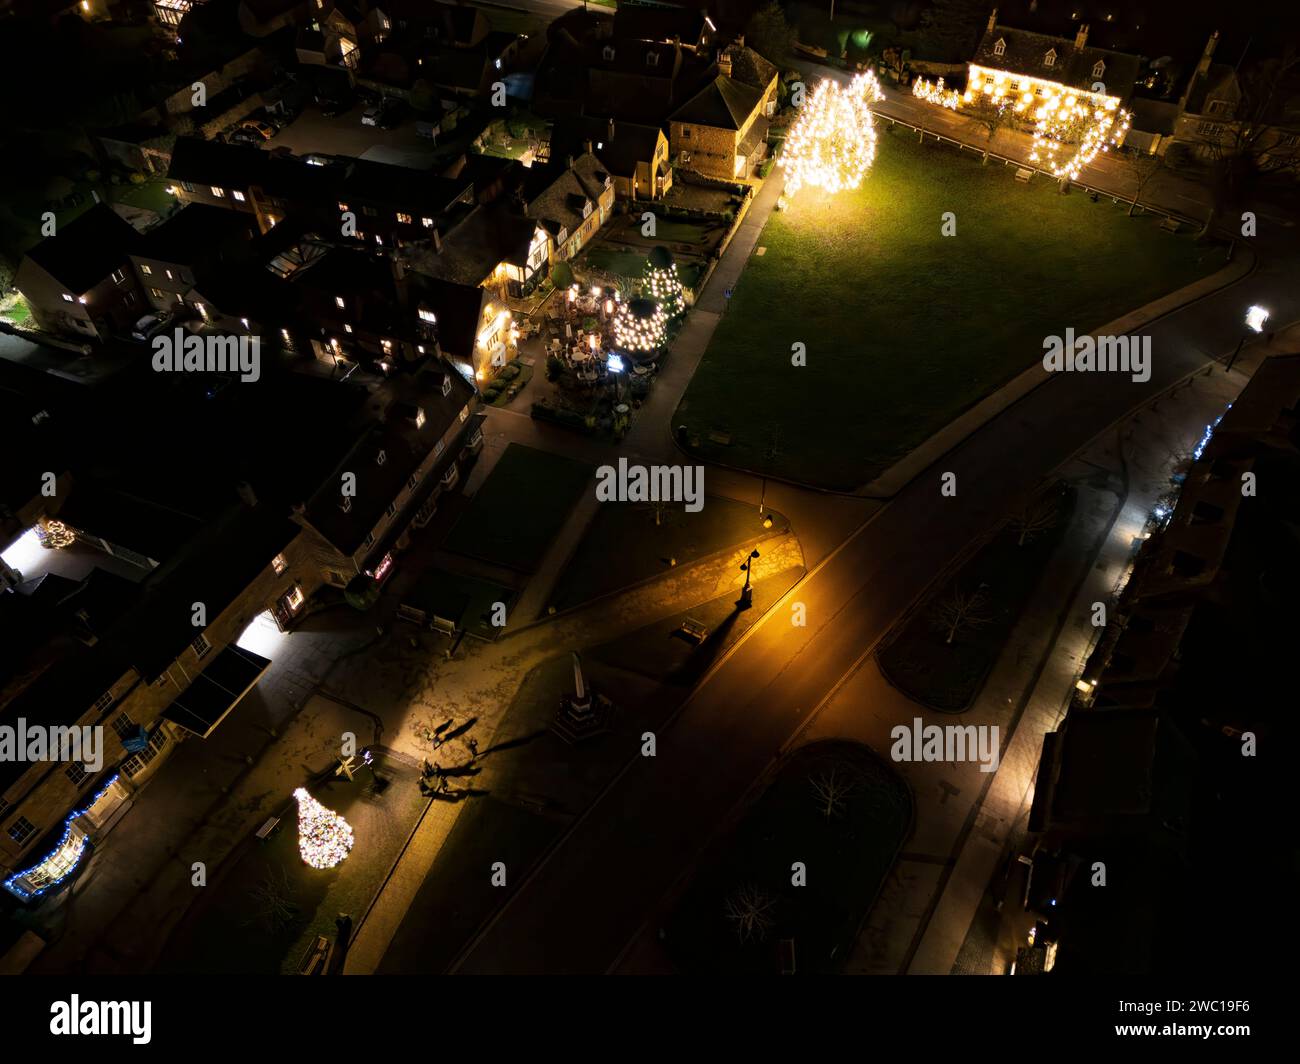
x=473 y=747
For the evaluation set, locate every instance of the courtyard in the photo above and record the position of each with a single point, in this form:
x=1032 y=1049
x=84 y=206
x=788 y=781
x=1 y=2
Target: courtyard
x=905 y=328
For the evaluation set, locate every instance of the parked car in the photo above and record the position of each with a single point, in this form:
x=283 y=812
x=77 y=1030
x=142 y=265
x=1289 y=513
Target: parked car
x=150 y=326
x=370 y=116
x=263 y=129
x=240 y=135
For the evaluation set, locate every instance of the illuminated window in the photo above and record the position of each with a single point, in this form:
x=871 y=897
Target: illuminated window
x=347 y=328
x=219 y=192
x=405 y=219
x=67 y=298
x=1099 y=69
x=279 y=563
x=1000 y=48
x=145 y=269
x=238 y=196
x=429 y=316
x=170 y=277
x=118 y=276
x=427 y=223
x=157 y=293
x=387 y=346
x=1050 y=58
x=338 y=302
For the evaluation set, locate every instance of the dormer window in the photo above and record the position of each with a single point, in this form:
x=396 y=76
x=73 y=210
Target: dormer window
x=1099 y=69
x=1050 y=58
x=427 y=223
x=346 y=504
x=608 y=53
x=446 y=385
x=652 y=59
x=381 y=457
x=1000 y=48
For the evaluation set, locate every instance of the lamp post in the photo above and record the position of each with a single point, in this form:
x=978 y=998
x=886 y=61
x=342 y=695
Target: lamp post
x=615 y=366
x=1256 y=317
x=747 y=592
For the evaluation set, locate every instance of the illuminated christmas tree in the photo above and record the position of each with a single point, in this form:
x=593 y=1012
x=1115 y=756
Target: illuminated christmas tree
x=640 y=326
x=662 y=283
x=832 y=143
x=324 y=837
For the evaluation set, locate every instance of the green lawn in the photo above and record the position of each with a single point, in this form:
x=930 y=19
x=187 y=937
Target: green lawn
x=846 y=857
x=227 y=931
x=622 y=262
x=520 y=507
x=906 y=328
x=623 y=545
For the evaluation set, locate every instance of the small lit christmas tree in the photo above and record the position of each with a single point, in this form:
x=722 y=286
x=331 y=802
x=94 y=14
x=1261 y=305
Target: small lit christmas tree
x=324 y=837
x=640 y=326
x=662 y=283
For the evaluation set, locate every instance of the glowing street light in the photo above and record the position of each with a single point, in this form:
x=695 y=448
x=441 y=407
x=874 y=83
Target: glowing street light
x=747 y=592
x=1256 y=317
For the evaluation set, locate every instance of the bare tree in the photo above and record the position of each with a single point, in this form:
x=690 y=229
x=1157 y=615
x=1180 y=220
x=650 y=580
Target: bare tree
x=960 y=611
x=1038 y=514
x=750 y=908
x=273 y=902
x=1143 y=166
x=831 y=788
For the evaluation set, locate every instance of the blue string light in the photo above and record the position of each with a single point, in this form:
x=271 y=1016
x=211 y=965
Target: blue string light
x=11 y=882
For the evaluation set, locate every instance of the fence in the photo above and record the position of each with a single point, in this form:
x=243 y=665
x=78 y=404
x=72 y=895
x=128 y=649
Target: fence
x=1006 y=160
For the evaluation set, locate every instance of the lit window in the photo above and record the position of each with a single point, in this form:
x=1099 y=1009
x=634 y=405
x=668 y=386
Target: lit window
x=296 y=598
x=157 y=293
x=464 y=413
x=118 y=276
x=279 y=563
x=429 y=316
x=343 y=206
x=387 y=346
x=219 y=192
x=405 y=219
x=67 y=298
x=378 y=239
x=145 y=269
x=338 y=302
x=427 y=223
x=169 y=274
x=238 y=196
x=347 y=328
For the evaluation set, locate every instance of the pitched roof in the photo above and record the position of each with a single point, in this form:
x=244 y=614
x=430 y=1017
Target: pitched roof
x=556 y=196
x=211 y=162
x=630 y=144
x=87 y=249
x=195 y=230
x=724 y=103
x=750 y=68
x=1024 y=52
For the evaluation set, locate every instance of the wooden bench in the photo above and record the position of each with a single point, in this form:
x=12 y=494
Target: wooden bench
x=268 y=829
x=1024 y=175
x=693 y=631
x=1171 y=225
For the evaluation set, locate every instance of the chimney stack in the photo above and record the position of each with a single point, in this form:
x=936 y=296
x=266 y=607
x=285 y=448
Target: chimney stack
x=1203 y=67
x=1081 y=38
x=724 y=63
x=993 y=19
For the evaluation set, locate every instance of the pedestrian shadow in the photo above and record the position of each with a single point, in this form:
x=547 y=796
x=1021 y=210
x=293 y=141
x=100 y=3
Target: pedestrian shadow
x=510 y=744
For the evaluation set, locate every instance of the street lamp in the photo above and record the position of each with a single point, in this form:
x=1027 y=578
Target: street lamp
x=747 y=592
x=1256 y=317
x=614 y=364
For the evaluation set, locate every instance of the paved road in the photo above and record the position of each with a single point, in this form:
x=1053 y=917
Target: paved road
x=580 y=907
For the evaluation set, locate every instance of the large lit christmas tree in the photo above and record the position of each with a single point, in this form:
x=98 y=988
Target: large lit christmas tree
x=662 y=283
x=832 y=143
x=324 y=837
